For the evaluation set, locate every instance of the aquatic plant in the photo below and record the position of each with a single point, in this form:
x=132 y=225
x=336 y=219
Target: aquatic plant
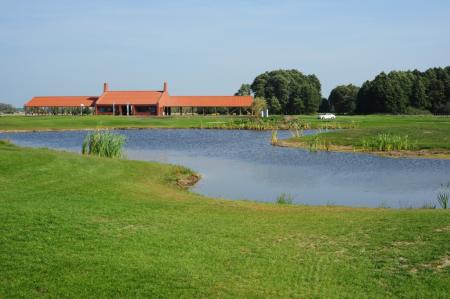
x=443 y=195
x=274 y=139
x=297 y=133
x=317 y=143
x=267 y=123
x=428 y=205
x=103 y=144
x=388 y=142
x=285 y=199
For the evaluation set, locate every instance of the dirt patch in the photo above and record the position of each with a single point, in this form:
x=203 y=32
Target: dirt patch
x=437 y=265
x=443 y=229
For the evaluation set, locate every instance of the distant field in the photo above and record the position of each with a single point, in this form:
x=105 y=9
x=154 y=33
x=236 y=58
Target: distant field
x=85 y=227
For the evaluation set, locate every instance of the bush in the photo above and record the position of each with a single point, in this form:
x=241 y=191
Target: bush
x=103 y=144
x=416 y=111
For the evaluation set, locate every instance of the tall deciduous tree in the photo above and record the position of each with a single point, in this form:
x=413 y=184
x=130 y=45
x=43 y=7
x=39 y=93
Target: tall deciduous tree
x=343 y=98
x=295 y=92
x=396 y=92
x=7 y=108
x=244 y=90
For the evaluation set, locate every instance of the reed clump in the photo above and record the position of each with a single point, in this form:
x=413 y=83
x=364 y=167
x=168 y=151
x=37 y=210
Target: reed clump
x=443 y=195
x=388 y=142
x=274 y=139
x=296 y=133
x=103 y=144
x=262 y=124
x=285 y=199
x=318 y=143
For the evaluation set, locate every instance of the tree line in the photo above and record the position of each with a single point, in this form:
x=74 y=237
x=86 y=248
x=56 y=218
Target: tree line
x=286 y=91
x=398 y=92
x=7 y=109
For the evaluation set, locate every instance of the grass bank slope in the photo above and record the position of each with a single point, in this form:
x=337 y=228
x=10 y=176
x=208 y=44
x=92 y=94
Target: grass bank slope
x=74 y=226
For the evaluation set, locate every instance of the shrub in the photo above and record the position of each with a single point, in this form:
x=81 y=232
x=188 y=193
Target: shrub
x=103 y=144
x=416 y=111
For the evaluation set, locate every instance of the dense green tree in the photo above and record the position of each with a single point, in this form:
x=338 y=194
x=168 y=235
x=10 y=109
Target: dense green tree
x=311 y=98
x=419 y=97
x=295 y=92
x=274 y=105
x=399 y=92
x=244 y=90
x=7 y=108
x=324 y=106
x=343 y=98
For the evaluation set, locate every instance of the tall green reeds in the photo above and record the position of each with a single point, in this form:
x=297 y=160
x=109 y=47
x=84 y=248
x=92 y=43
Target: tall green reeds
x=388 y=142
x=316 y=143
x=285 y=199
x=443 y=195
x=269 y=123
x=103 y=144
x=274 y=139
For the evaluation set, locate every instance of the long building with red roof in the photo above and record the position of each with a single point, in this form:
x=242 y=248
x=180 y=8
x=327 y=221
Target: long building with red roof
x=149 y=102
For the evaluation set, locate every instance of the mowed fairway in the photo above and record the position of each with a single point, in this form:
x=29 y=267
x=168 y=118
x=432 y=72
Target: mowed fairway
x=74 y=226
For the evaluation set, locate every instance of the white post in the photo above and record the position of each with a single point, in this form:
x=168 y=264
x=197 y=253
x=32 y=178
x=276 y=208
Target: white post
x=128 y=109
x=82 y=105
x=114 y=109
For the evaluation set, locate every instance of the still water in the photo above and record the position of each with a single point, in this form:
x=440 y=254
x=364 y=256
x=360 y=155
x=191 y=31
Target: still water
x=238 y=164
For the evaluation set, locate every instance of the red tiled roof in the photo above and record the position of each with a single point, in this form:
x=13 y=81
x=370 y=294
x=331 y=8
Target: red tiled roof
x=61 y=101
x=208 y=101
x=129 y=97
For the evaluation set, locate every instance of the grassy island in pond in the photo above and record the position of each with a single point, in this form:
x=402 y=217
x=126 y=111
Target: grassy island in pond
x=424 y=136
x=85 y=226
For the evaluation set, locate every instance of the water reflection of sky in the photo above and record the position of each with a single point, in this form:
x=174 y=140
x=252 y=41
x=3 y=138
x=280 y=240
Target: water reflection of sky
x=243 y=165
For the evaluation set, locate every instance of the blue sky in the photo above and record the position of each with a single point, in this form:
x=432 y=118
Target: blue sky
x=64 y=47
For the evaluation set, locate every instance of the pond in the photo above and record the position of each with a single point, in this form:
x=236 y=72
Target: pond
x=239 y=164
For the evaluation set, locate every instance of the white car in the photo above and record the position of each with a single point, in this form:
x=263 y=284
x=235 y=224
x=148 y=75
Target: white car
x=326 y=116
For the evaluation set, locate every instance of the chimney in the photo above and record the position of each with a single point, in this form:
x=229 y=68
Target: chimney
x=165 y=87
x=105 y=87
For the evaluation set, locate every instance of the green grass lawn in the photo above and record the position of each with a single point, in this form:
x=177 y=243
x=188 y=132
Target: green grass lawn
x=76 y=226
